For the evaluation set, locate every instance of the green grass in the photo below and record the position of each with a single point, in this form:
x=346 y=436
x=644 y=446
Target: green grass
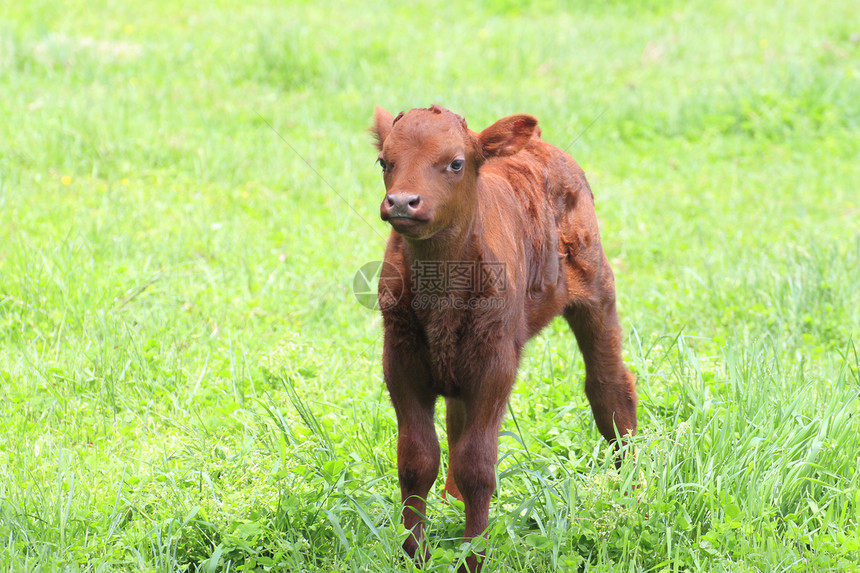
x=187 y=382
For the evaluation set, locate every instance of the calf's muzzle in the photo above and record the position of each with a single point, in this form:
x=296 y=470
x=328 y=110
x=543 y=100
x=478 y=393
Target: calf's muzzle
x=401 y=206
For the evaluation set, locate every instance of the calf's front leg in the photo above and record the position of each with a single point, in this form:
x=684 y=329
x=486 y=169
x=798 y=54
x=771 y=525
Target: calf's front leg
x=474 y=455
x=417 y=444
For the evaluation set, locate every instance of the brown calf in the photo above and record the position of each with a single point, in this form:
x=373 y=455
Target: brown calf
x=494 y=234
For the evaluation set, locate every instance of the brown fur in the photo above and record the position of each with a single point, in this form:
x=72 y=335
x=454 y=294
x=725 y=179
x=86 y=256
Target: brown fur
x=518 y=202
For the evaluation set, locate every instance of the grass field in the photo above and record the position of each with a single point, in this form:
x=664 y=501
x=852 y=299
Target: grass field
x=188 y=383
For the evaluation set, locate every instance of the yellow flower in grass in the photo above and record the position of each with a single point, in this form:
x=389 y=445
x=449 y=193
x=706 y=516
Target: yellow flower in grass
x=125 y=181
x=66 y=179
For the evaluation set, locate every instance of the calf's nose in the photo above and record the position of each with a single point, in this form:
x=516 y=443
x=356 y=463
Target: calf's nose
x=400 y=205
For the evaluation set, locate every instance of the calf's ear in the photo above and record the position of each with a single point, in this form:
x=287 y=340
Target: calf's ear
x=382 y=122
x=508 y=135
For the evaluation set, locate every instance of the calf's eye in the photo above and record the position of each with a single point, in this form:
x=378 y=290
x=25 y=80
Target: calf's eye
x=382 y=164
x=457 y=165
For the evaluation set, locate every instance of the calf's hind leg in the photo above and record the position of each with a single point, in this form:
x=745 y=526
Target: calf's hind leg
x=455 y=421
x=609 y=385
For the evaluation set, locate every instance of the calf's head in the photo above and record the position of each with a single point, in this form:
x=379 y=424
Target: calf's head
x=430 y=161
